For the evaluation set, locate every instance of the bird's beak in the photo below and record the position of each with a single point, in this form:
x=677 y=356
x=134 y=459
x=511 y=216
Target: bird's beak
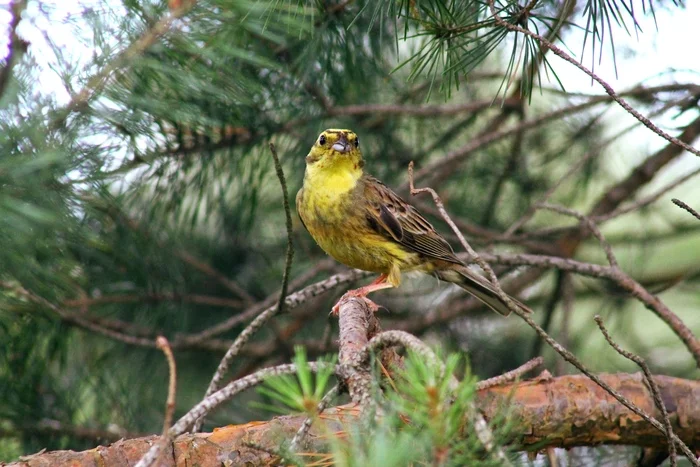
x=342 y=144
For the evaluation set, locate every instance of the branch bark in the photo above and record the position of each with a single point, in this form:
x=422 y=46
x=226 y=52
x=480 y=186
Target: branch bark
x=565 y=412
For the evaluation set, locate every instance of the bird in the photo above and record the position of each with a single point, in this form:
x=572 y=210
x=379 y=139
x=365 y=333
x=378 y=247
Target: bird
x=362 y=223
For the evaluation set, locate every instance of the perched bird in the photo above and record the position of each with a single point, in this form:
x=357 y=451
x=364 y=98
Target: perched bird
x=361 y=223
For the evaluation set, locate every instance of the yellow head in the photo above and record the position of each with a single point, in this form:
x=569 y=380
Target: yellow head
x=335 y=151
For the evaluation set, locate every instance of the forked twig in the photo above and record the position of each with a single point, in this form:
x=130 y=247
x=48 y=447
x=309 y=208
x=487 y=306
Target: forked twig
x=561 y=350
x=291 y=301
x=511 y=375
x=608 y=89
x=653 y=387
x=306 y=425
x=591 y=226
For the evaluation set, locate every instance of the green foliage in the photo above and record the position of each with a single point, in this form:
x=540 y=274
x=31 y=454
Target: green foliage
x=302 y=392
x=425 y=419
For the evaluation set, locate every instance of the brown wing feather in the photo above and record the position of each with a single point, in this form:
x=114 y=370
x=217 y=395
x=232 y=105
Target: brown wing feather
x=400 y=221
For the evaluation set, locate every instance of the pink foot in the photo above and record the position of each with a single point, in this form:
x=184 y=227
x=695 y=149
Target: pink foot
x=357 y=293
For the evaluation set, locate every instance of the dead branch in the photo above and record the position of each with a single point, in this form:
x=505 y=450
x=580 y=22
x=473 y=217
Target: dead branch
x=563 y=412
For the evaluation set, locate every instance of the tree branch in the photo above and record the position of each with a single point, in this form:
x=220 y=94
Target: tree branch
x=562 y=412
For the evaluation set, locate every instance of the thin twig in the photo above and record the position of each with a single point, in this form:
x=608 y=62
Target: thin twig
x=164 y=345
x=287 y=458
x=566 y=354
x=288 y=218
x=292 y=301
x=653 y=387
x=608 y=89
x=441 y=207
x=224 y=394
x=648 y=199
x=591 y=226
x=205 y=268
x=511 y=375
x=212 y=401
x=410 y=342
x=682 y=205
x=298 y=439
x=651 y=301
x=154 y=453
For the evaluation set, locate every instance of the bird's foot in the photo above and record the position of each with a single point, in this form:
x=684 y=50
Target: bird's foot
x=356 y=293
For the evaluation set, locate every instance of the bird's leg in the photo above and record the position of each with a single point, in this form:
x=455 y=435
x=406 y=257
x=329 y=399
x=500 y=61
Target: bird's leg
x=379 y=283
x=384 y=281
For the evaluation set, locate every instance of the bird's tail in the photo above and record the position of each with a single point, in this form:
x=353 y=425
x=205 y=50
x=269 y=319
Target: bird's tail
x=479 y=287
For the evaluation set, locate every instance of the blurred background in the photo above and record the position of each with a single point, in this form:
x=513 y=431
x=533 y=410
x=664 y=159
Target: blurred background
x=138 y=195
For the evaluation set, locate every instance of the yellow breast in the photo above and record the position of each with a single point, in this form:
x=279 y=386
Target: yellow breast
x=334 y=217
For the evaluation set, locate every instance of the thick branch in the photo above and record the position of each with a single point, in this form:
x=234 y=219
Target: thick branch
x=566 y=411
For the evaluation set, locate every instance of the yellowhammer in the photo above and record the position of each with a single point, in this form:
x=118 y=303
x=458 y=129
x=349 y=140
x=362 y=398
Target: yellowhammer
x=360 y=222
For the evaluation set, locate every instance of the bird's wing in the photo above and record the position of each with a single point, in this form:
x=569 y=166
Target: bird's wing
x=393 y=217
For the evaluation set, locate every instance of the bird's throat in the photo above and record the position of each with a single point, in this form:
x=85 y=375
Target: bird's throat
x=328 y=190
x=331 y=181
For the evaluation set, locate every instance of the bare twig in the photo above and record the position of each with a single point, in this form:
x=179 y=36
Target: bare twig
x=212 y=401
x=441 y=207
x=275 y=453
x=152 y=455
x=647 y=200
x=205 y=268
x=164 y=345
x=306 y=425
x=224 y=394
x=408 y=341
x=291 y=301
x=591 y=226
x=288 y=219
x=511 y=375
x=608 y=89
x=682 y=205
x=651 y=301
x=653 y=387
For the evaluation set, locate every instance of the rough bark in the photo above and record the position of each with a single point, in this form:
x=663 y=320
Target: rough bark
x=566 y=411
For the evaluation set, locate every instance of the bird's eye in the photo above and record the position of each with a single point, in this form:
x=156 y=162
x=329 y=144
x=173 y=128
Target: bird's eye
x=322 y=140
x=357 y=141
